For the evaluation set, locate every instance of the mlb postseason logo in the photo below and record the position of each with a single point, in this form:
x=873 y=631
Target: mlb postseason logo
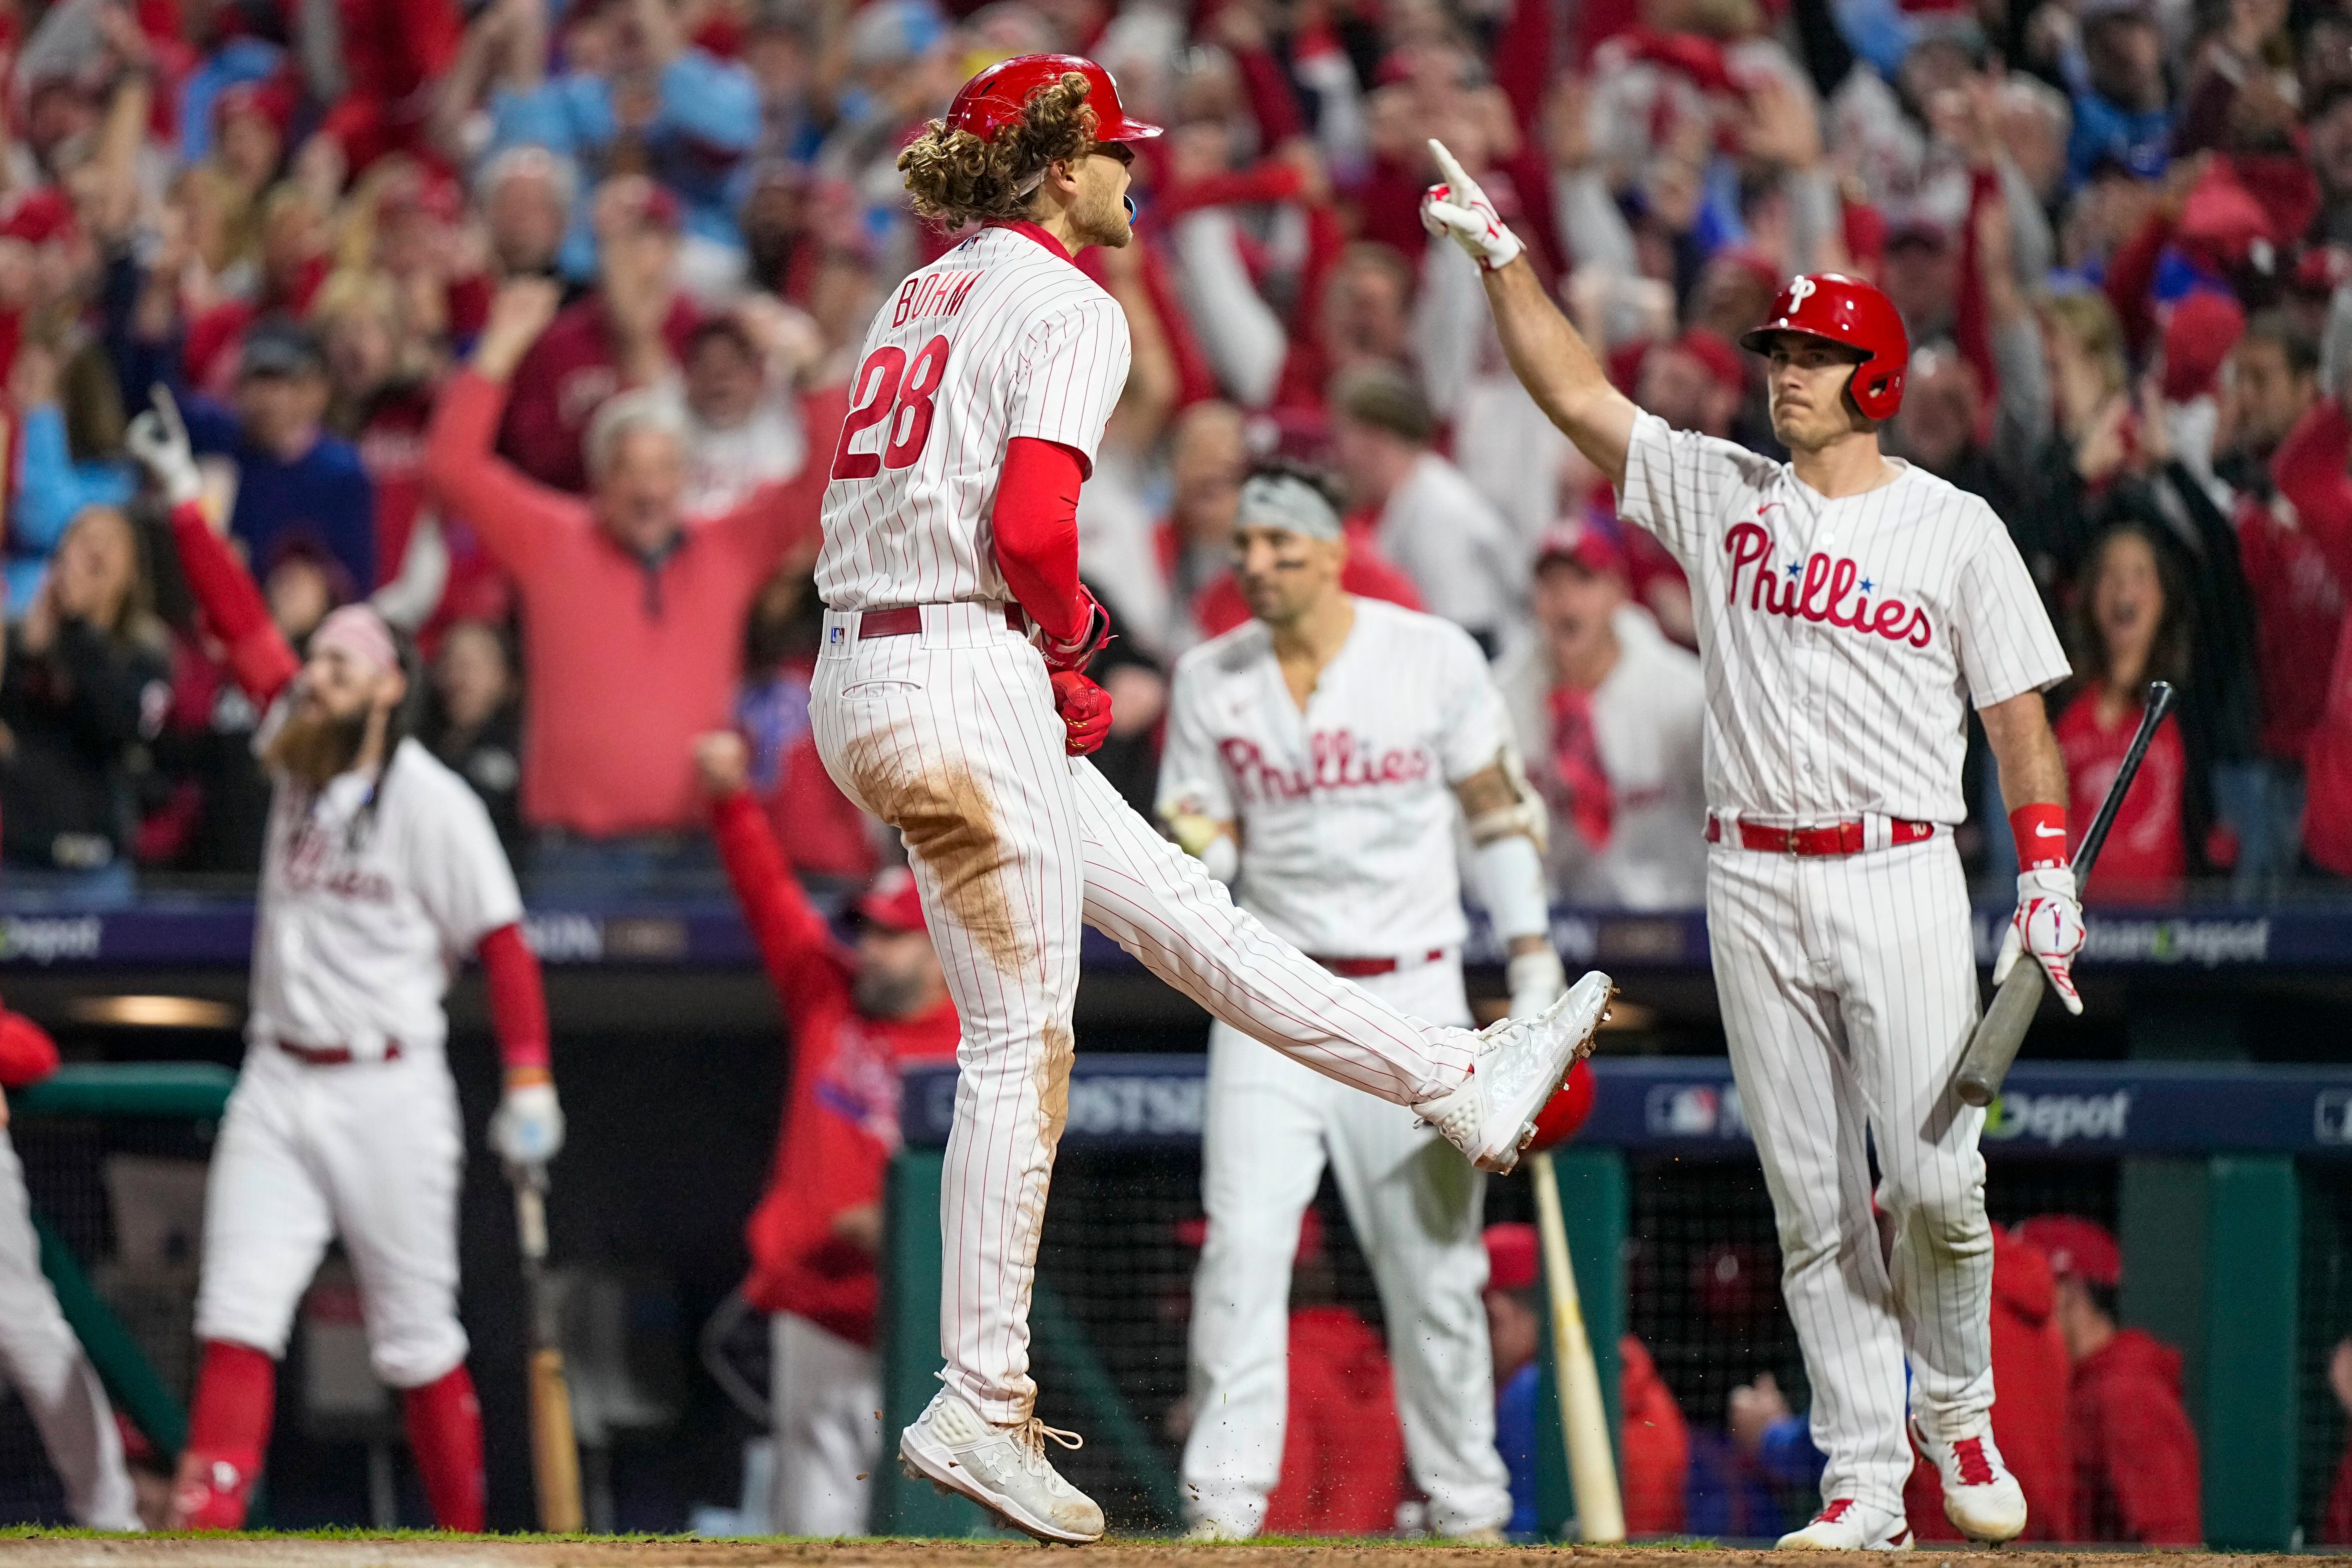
x=2331 y=1118
x=1696 y=1111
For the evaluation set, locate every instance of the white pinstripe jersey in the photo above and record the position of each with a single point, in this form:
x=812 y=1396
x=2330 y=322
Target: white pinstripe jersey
x=1841 y=639
x=1000 y=337
x=1346 y=809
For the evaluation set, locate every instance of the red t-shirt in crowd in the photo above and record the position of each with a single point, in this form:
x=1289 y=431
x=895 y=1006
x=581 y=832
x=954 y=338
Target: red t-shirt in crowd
x=2028 y=1419
x=626 y=661
x=2147 y=854
x=1342 y=1448
x=2298 y=611
x=2309 y=467
x=562 y=383
x=2136 y=1475
x=841 y=1116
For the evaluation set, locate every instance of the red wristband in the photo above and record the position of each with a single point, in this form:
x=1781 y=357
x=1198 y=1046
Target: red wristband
x=2040 y=833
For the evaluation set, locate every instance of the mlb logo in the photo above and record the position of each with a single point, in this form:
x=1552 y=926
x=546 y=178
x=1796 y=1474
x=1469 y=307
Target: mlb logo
x=834 y=636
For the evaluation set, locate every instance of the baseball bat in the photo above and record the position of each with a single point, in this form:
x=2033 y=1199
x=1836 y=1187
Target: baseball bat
x=1993 y=1045
x=555 y=1448
x=1583 y=1416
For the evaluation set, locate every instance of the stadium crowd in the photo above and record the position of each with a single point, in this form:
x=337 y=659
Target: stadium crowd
x=533 y=323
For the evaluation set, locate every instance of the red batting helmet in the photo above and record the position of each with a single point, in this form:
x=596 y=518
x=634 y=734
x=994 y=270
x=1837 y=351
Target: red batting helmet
x=997 y=96
x=1567 y=1109
x=1854 y=314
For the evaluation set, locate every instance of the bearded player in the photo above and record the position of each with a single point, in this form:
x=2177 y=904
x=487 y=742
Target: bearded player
x=1850 y=607
x=950 y=701
x=1328 y=753
x=381 y=872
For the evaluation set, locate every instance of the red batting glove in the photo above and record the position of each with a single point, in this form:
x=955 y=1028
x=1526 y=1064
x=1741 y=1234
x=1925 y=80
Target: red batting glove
x=1079 y=650
x=1085 y=708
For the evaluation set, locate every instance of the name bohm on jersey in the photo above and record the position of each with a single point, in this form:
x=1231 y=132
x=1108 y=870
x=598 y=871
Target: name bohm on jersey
x=937 y=294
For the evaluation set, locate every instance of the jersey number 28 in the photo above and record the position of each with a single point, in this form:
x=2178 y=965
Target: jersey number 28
x=890 y=385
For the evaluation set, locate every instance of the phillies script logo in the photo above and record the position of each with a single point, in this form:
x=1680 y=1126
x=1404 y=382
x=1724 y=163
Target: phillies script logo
x=1819 y=589
x=1339 y=759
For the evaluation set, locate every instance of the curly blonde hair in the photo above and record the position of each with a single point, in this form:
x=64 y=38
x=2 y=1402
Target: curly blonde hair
x=955 y=177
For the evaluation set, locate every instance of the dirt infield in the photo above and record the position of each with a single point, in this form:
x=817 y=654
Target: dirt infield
x=293 y=1551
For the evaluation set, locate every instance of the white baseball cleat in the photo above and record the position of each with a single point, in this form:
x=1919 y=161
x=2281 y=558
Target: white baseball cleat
x=1491 y=1114
x=1845 y=1525
x=1981 y=1499
x=1003 y=1468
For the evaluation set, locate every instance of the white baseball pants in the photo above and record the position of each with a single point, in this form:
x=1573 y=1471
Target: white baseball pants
x=950 y=736
x=369 y=1151
x=1418 y=1210
x=42 y=1360
x=826 y=1396
x=1848 y=987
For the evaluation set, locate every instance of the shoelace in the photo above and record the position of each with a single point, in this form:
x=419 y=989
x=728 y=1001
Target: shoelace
x=1029 y=1442
x=1976 y=1471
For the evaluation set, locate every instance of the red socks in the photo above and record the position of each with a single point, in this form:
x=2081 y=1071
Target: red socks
x=236 y=1391
x=444 y=1432
x=236 y=1395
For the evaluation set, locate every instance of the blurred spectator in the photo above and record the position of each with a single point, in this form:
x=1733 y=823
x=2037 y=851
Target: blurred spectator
x=2298 y=599
x=69 y=458
x=1607 y=713
x=2131 y=628
x=629 y=331
x=86 y=686
x=857 y=1019
x=633 y=616
x=1342 y=1448
x=1652 y=1436
x=822 y=834
x=743 y=422
x=1207 y=460
x=287 y=474
x=527 y=195
x=2114 y=66
x=474 y=724
x=1433 y=523
x=640 y=93
x=2136 y=1471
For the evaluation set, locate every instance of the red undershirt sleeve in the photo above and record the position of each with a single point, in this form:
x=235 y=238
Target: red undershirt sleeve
x=1035 y=525
x=259 y=656
x=518 y=999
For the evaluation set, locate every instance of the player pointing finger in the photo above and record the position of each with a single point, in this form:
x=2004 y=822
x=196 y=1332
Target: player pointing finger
x=1849 y=606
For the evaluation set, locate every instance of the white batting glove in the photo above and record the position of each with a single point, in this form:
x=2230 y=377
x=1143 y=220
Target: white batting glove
x=1458 y=209
x=159 y=440
x=1535 y=981
x=528 y=1129
x=2049 y=924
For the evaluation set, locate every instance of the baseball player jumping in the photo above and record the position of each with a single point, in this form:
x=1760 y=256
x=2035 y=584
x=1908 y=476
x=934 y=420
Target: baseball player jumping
x=381 y=872
x=1328 y=752
x=949 y=702
x=1849 y=606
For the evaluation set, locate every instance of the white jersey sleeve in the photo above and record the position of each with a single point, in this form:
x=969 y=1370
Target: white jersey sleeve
x=1190 y=767
x=2005 y=644
x=1678 y=483
x=1478 y=724
x=1074 y=367
x=460 y=871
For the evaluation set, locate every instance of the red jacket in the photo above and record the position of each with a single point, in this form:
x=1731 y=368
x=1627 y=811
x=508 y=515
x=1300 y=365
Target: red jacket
x=1656 y=1441
x=2029 y=1412
x=2298 y=619
x=1342 y=1448
x=627 y=662
x=2136 y=1471
x=2309 y=467
x=841 y=1114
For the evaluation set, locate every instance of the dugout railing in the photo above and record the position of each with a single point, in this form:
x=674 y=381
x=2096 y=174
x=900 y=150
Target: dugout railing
x=2230 y=1189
